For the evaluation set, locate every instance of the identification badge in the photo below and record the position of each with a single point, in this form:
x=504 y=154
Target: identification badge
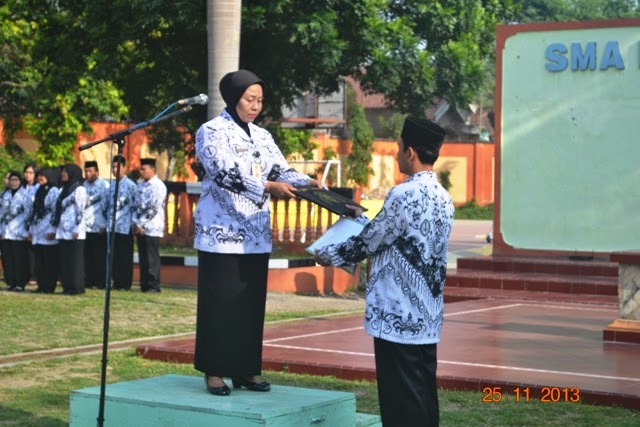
x=256 y=171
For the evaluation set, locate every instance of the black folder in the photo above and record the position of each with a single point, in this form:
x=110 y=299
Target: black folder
x=328 y=199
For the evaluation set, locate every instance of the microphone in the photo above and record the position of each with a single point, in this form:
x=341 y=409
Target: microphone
x=201 y=99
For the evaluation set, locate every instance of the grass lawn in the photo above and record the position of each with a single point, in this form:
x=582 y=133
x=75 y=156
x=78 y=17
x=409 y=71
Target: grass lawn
x=48 y=321
x=37 y=393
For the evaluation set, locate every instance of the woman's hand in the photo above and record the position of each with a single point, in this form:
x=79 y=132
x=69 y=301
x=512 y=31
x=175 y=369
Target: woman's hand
x=314 y=183
x=50 y=236
x=281 y=190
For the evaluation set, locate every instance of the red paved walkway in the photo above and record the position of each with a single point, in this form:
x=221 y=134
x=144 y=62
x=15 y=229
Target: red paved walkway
x=485 y=343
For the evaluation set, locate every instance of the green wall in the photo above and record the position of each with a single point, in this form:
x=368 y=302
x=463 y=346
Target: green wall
x=570 y=144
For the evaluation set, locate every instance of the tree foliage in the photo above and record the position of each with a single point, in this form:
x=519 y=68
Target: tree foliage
x=391 y=127
x=293 y=141
x=413 y=51
x=576 y=10
x=76 y=60
x=66 y=62
x=359 y=159
x=51 y=77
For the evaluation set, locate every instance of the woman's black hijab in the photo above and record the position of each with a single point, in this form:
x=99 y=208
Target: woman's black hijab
x=232 y=87
x=74 y=179
x=53 y=180
x=19 y=176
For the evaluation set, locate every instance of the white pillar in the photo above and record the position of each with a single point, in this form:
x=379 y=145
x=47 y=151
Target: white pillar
x=223 y=47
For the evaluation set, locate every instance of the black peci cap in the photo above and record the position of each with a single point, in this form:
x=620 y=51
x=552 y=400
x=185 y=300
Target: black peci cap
x=419 y=132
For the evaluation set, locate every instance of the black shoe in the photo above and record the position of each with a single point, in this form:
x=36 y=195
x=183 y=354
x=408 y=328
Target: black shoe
x=151 y=291
x=217 y=391
x=240 y=382
x=17 y=289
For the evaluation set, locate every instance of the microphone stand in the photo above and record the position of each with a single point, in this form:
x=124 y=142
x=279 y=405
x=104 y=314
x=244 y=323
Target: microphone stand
x=119 y=139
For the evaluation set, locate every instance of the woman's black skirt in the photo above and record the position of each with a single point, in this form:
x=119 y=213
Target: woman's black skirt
x=232 y=292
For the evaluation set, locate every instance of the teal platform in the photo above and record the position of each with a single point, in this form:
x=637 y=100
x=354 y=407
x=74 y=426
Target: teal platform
x=178 y=400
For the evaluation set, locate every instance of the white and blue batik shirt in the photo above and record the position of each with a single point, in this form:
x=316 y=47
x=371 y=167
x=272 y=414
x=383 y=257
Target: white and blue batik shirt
x=95 y=210
x=125 y=206
x=16 y=216
x=232 y=215
x=5 y=199
x=43 y=225
x=407 y=242
x=72 y=216
x=150 y=203
x=31 y=190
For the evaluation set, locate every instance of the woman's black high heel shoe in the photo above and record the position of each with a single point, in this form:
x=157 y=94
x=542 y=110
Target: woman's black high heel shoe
x=250 y=385
x=218 y=391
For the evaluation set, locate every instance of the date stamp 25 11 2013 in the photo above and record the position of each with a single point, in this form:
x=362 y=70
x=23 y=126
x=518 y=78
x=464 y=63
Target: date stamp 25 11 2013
x=526 y=394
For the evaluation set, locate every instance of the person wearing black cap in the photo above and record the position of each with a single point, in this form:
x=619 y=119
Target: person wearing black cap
x=95 y=219
x=243 y=168
x=70 y=230
x=148 y=222
x=122 y=271
x=45 y=245
x=16 y=235
x=407 y=242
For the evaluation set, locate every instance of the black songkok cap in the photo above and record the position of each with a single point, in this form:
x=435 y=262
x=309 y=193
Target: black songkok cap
x=233 y=86
x=418 y=132
x=148 y=161
x=91 y=164
x=120 y=159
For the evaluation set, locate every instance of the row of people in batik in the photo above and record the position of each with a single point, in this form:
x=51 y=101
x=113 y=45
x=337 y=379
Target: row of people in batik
x=54 y=222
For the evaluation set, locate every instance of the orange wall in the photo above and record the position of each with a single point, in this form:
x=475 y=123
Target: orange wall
x=135 y=147
x=479 y=156
x=480 y=165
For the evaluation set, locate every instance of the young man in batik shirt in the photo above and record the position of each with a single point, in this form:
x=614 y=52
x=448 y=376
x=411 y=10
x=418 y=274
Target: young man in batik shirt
x=122 y=265
x=95 y=219
x=148 y=220
x=407 y=242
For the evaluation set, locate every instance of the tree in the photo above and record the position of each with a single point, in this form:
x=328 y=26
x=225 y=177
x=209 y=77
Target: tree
x=102 y=59
x=359 y=159
x=391 y=128
x=51 y=75
x=156 y=52
x=394 y=47
x=293 y=141
x=576 y=10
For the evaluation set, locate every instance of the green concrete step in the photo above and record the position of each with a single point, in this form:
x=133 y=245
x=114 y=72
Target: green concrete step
x=367 y=420
x=178 y=400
